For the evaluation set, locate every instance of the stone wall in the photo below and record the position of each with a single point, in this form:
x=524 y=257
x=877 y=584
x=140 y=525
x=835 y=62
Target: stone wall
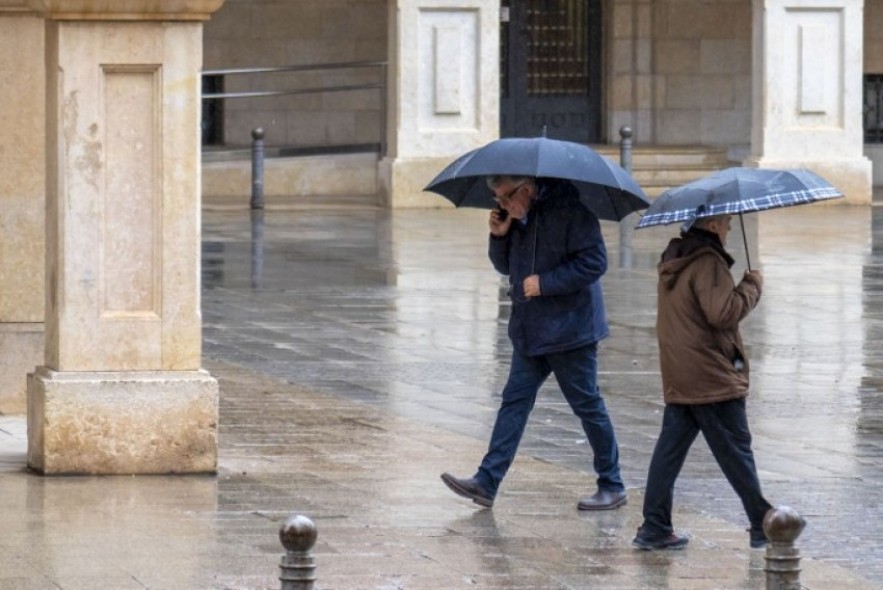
x=252 y=33
x=703 y=72
x=873 y=36
x=679 y=71
x=22 y=202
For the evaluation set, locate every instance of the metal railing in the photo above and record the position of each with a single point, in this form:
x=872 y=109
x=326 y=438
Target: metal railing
x=380 y=86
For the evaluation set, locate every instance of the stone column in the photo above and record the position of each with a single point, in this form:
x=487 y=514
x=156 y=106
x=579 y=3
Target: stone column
x=121 y=389
x=444 y=98
x=22 y=196
x=807 y=91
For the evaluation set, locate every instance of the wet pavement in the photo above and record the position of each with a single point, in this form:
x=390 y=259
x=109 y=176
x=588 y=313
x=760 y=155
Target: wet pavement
x=361 y=352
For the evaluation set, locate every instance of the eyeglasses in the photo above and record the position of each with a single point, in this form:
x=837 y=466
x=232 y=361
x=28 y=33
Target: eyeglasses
x=508 y=197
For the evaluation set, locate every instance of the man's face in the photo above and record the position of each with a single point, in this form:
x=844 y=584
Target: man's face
x=514 y=197
x=721 y=227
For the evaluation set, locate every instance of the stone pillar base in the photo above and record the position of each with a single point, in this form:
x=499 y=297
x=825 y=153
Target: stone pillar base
x=105 y=423
x=854 y=177
x=402 y=180
x=21 y=349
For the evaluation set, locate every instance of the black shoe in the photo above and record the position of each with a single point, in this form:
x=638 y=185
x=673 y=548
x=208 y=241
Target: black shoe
x=603 y=500
x=468 y=488
x=757 y=539
x=670 y=542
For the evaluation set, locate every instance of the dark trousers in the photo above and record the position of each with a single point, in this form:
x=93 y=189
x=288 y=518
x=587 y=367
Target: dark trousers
x=725 y=428
x=576 y=372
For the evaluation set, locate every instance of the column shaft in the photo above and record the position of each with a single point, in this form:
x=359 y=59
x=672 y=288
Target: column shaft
x=122 y=390
x=807 y=91
x=444 y=99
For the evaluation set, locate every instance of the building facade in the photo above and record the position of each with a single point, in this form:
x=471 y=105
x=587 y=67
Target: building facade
x=678 y=72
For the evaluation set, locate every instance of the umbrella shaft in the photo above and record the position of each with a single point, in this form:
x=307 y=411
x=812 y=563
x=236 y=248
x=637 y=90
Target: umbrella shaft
x=744 y=240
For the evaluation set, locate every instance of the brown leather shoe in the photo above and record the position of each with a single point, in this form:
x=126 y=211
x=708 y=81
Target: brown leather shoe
x=670 y=541
x=603 y=500
x=468 y=488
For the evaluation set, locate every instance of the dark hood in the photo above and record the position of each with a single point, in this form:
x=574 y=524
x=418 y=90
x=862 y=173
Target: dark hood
x=683 y=250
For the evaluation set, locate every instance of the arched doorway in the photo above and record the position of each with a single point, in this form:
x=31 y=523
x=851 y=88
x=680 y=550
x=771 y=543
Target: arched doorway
x=550 y=70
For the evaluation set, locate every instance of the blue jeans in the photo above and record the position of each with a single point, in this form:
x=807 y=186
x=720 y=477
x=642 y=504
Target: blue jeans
x=725 y=428
x=576 y=372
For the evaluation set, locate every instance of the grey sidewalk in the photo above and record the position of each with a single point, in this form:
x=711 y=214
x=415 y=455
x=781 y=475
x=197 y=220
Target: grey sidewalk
x=360 y=353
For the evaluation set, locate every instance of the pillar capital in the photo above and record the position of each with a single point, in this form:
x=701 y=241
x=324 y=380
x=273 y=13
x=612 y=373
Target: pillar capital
x=192 y=10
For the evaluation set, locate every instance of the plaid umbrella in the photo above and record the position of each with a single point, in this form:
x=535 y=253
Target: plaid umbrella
x=735 y=191
x=604 y=187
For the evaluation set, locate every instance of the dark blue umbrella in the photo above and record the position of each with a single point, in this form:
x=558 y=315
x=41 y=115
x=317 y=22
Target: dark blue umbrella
x=735 y=191
x=604 y=187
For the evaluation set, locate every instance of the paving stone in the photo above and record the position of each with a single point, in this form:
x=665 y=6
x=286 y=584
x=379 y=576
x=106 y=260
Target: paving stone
x=365 y=356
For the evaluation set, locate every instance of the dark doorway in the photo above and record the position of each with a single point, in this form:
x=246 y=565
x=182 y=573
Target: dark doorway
x=212 y=111
x=550 y=71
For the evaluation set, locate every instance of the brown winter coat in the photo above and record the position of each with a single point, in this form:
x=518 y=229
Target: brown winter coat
x=699 y=310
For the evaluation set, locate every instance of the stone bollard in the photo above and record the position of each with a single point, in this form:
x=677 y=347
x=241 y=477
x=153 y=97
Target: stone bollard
x=298 y=535
x=257 y=168
x=782 y=525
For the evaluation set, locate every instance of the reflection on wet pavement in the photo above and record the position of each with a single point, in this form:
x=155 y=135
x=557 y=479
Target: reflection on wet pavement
x=361 y=352
x=403 y=312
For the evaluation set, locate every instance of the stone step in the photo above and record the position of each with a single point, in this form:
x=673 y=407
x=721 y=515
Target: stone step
x=672 y=175
x=657 y=168
x=657 y=156
x=227 y=173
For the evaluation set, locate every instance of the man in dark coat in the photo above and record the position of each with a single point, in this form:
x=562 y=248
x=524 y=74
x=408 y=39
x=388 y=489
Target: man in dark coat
x=704 y=376
x=551 y=248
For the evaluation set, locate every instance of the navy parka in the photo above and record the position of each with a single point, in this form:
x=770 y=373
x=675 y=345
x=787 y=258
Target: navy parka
x=561 y=242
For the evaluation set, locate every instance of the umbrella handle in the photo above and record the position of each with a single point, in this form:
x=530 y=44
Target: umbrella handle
x=744 y=239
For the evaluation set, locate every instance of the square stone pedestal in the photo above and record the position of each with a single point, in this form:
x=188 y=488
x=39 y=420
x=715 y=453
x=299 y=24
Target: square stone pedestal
x=852 y=176
x=402 y=180
x=103 y=423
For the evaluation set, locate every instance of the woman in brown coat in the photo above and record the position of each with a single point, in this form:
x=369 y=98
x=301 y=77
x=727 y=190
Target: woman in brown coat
x=704 y=376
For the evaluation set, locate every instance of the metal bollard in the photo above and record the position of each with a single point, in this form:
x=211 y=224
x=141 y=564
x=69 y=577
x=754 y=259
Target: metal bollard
x=627 y=225
x=257 y=168
x=625 y=148
x=782 y=525
x=257 y=248
x=298 y=535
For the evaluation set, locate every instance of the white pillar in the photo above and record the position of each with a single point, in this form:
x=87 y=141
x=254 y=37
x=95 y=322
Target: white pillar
x=444 y=98
x=807 y=91
x=22 y=200
x=121 y=389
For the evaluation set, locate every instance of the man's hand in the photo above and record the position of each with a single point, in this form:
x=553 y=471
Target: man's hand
x=498 y=226
x=531 y=286
x=755 y=277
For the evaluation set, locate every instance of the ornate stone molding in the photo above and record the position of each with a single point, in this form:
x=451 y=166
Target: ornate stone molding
x=166 y=10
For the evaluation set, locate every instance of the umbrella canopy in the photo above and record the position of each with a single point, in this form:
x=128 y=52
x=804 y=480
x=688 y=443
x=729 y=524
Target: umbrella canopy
x=604 y=187
x=735 y=191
